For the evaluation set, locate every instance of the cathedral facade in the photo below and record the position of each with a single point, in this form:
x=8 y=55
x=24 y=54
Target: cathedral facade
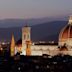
x=64 y=45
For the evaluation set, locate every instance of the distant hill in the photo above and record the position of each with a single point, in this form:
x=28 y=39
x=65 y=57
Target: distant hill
x=43 y=31
x=6 y=23
x=47 y=31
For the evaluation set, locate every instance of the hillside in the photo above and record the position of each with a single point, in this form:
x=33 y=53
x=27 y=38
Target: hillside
x=43 y=32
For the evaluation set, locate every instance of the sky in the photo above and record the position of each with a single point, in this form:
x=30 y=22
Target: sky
x=34 y=8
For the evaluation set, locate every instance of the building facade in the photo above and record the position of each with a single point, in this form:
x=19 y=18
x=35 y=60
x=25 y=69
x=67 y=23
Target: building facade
x=64 y=45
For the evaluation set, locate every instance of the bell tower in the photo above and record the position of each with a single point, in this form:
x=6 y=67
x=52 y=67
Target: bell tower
x=25 y=39
x=28 y=48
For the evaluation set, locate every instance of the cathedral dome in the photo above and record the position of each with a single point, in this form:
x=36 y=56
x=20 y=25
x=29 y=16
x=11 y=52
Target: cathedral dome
x=65 y=36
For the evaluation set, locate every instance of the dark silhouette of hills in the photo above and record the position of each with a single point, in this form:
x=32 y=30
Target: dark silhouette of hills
x=47 y=31
x=39 y=32
x=6 y=23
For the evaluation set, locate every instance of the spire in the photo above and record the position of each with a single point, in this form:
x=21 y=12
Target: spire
x=12 y=47
x=70 y=20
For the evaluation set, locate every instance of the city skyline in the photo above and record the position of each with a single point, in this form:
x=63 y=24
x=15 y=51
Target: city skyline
x=34 y=8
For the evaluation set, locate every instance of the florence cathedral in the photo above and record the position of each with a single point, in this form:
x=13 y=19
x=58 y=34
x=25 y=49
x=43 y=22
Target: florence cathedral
x=29 y=48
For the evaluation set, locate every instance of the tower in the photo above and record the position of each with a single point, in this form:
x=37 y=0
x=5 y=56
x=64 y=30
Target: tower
x=25 y=39
x=28 y=48
x=12 y=47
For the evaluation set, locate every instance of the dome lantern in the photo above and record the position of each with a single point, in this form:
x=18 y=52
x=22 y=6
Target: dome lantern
x=70 y=20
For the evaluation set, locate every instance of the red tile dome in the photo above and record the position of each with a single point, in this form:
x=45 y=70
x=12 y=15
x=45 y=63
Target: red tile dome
x=66 y=33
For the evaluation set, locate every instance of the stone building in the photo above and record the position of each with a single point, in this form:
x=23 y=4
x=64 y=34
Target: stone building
x=64 y=45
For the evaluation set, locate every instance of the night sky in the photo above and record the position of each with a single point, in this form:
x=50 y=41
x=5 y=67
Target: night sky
x=34 y=8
